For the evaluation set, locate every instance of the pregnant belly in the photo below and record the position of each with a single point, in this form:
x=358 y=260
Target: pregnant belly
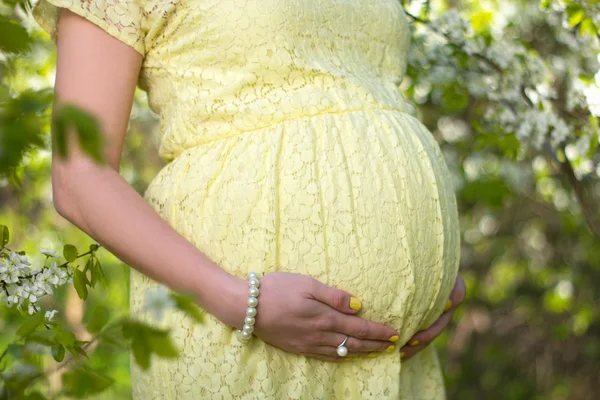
x=361 y=201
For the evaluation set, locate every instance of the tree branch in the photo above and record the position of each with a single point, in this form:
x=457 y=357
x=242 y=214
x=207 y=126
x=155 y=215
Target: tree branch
x=564 y=168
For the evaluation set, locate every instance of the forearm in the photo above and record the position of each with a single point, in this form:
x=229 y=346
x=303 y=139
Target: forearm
x=101 y=203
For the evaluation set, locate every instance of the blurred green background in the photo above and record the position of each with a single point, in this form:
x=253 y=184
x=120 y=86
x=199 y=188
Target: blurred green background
x=530 y=326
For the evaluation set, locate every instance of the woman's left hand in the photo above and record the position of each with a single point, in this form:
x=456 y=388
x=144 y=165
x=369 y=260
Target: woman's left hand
x=422 y=339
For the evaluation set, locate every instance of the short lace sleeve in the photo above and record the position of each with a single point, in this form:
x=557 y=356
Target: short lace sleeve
x=119 y=18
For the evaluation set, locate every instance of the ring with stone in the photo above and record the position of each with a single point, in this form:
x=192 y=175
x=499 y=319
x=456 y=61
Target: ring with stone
x=342 y=350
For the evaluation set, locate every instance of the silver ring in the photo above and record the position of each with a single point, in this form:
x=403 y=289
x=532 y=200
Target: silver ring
x=342 y=350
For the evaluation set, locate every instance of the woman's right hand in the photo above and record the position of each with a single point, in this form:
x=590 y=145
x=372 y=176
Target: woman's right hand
x=299 y=314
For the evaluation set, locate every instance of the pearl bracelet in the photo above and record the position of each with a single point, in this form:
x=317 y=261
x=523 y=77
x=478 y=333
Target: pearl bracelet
x=245 y=333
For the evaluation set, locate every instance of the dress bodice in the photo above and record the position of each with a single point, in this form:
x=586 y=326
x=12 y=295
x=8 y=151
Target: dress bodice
x=214 y=68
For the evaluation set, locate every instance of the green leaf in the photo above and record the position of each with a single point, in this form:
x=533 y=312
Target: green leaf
x=186 y=304
x=34 y=396
x=491 y=192
x=100 y=273
x=79 y=281
x=4 y=235
x=87 y=129
x=16 y=350
x=58 y=352
x=47 y=336
x=93 y=272
x=146 y=339
x=70 y=252
x=82 y=382
x=141 y=352
x=587 y=27
x=96 y=318
x=508 y=143
x=13 y=37
x=65 y=338
x=482 y=20
x=80 y=350
x=30 y=324
x=88 y=265
x=94 y=247
x=76 y=351
x=575 y=16
x=161 y=344
x=593 y=148
x=454 y=98
x=59 y=135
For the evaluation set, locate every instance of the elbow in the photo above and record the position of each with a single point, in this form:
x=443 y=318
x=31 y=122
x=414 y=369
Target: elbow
x=61 y=199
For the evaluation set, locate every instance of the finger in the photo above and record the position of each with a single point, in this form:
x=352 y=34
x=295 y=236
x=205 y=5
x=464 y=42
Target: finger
x=336 y=298
x=359 y=328
x=460 y=291
x=457 y=296
x=357 y=345
x=407 y=354
x=423 y=338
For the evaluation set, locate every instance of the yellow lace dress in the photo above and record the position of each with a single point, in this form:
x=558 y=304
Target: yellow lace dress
x=290 y=148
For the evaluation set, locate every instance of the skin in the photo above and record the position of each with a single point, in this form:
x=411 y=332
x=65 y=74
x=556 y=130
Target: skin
x=296 y=313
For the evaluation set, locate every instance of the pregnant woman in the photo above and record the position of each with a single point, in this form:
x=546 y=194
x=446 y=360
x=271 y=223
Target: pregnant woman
x=292 y=154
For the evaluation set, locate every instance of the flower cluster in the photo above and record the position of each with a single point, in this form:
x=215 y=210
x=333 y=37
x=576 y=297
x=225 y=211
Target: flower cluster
x=21 y=285
x=516 y=86
x=453 y=26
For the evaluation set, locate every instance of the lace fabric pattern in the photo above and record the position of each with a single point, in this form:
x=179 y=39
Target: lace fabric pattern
x=290 y=148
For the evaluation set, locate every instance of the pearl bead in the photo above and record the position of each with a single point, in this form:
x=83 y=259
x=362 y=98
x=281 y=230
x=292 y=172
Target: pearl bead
x=252 y=275
x=249 y=321
x=253 y=292
x=243 y=336
x=251 y=312
x=248 y=328
x=252 y=301
x=342 y=351
x=254 y=282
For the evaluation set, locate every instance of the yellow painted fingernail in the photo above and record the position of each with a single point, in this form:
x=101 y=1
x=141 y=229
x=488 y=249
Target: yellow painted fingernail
x=402 y=354
x=448 y=305
x=355 y=303
x=394 y=338
x=372 y=355
x=390 y=349
x=416 y=342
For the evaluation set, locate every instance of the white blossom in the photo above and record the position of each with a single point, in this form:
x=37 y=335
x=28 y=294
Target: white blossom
x=20 y=285
x=50 y=314
x=560 y=132
x=592 y=97
x=157 y=300
x=518 y=86
x=452 y=25
x=582 y=145
x=49 y=252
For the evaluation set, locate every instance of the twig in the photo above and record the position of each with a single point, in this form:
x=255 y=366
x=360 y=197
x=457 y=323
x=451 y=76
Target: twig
x=564 y=168
x=4 y=353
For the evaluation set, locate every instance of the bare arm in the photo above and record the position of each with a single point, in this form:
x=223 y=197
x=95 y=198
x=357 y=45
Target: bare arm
x=296 y=313
x=98 y=73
